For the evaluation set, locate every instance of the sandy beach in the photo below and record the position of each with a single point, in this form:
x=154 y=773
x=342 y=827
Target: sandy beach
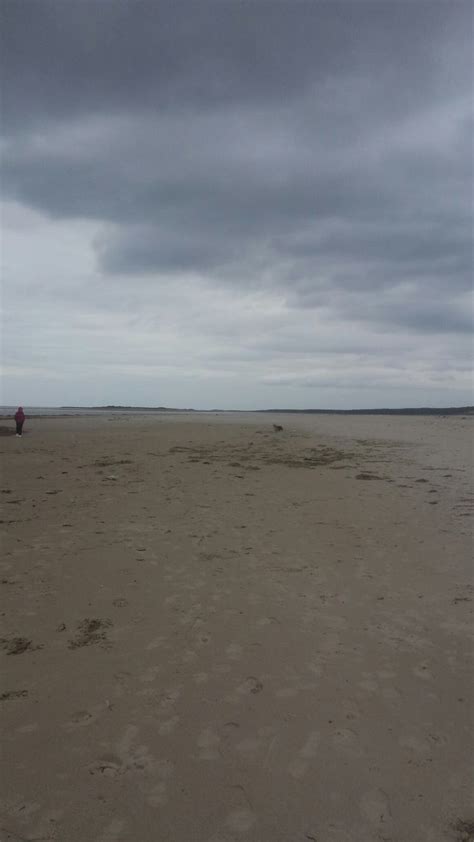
x=214 y=632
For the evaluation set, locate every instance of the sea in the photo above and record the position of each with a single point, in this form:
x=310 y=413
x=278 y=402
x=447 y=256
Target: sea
x=9 y=411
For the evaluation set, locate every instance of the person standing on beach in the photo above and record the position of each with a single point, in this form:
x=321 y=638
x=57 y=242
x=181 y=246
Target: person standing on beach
x=20 y=420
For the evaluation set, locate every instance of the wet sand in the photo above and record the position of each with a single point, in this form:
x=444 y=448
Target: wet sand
x=215 y=632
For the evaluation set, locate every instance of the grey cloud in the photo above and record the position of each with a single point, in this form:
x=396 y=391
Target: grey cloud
x=424 y=315
x=148 y=248
x=198 y=205
x=70 y=58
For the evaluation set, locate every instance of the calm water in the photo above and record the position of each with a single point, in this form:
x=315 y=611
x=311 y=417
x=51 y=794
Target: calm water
x=8 y=411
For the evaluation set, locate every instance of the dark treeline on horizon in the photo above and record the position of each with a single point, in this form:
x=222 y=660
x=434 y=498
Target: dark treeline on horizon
x=424 y=410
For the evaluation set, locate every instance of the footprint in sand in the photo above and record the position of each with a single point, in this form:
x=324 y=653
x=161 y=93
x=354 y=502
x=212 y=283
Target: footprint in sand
x=268 y=621
x=241 y=820
x=420 y=747
x=157 y=796
x=422 y=671
x=122 y=676
x=368 y=686
x=30 y=728
x=156 y=643
x=168 y=726
x=250 y=685
x=130 y=758
x=120 y=602
x=79 y=719
x=249 y=747
x=234 y=651
x=222 y=669
x=375 y=806
x=110 y=765
x=299 y=766
x=231 y=726
x=201 y=678
x=346 y=739
x=208 y=743
x=189 y=656
x=150 y=675
x=113 y=831
x=286 y=693
x=169 y=699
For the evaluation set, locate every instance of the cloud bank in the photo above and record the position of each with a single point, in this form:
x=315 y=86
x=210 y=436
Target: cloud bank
x=237 y=204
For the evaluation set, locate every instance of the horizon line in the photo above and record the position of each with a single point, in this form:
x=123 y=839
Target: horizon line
x=466 y=409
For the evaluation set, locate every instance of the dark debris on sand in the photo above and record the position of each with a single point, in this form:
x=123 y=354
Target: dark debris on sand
x=464 y=830
x=17 y=645
x=13 y=694
x=367 y=476
x=90 y=631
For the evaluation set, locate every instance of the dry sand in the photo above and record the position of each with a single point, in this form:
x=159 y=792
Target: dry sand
x=213 y=632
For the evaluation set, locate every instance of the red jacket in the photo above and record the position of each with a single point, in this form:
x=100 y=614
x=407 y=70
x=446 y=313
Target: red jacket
x=19 y=415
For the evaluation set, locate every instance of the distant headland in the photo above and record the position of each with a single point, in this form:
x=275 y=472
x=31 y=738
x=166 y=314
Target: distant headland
x=424 y=410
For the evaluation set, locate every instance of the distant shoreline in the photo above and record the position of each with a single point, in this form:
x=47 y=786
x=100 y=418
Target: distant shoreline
x=65 y=411
x=425 y=410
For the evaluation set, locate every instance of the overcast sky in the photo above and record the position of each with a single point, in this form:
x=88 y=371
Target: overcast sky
x=237 y=204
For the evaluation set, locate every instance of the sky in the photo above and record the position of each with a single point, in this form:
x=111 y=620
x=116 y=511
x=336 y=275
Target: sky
x=237 y=203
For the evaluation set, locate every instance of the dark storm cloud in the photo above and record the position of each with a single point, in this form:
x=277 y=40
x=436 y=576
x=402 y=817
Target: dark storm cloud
x=321 y=148
x=70 y=58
